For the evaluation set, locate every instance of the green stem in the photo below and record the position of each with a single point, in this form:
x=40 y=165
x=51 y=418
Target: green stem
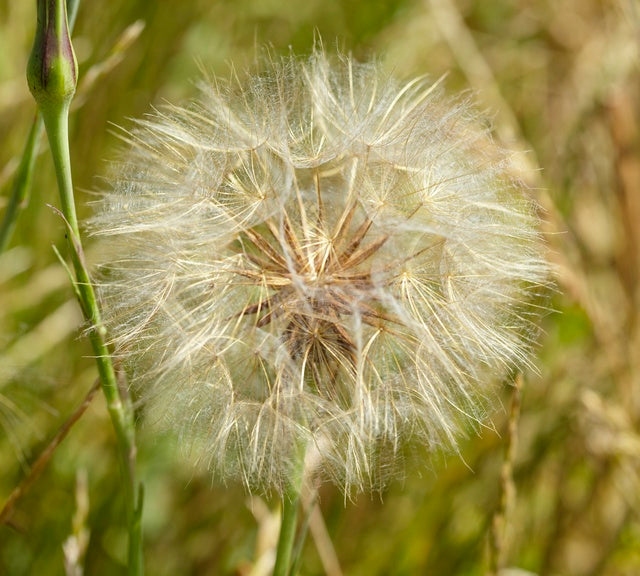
x=56 y=124
x=21 y=184
x=52 y=75
x=302 y=534
x=19 y=198
x=290 y=504
x=287 y=534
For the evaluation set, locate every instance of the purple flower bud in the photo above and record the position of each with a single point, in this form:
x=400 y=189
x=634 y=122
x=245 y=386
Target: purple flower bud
x=52 y=68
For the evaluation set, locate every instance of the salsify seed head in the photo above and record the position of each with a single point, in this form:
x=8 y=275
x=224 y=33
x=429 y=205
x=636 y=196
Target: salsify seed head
x=317 y=258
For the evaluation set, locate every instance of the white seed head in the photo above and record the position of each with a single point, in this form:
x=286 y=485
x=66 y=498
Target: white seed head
x=317 y=256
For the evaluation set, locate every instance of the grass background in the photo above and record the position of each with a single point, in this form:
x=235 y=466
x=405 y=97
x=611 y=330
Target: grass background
x=562 y=83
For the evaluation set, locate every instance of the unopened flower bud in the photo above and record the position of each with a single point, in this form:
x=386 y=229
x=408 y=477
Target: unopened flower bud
x=52 y=68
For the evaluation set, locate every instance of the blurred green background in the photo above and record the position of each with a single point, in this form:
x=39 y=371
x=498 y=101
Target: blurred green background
x=561 y=81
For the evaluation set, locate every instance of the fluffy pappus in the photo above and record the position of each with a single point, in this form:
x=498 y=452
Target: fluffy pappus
x=317 y=258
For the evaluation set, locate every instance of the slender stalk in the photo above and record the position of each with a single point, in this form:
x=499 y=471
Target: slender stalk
x=52 y=78
x=43 y=459
x=287 y=534
x=21 y=184
x=286 y=563
x=497 y=532
x=56 y=124
x=20 y=191
x=308 y=503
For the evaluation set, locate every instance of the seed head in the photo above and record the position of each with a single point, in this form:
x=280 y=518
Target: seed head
x=317 y=256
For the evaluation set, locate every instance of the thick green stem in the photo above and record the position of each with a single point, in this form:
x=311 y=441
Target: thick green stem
x=287 y=534
x=308 y=507
x=290 y=504
x=56 y=123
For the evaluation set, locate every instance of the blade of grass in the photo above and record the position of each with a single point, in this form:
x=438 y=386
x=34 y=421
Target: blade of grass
x=45 y=456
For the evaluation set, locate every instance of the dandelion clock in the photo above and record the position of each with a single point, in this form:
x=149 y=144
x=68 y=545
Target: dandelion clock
x=315 y=268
